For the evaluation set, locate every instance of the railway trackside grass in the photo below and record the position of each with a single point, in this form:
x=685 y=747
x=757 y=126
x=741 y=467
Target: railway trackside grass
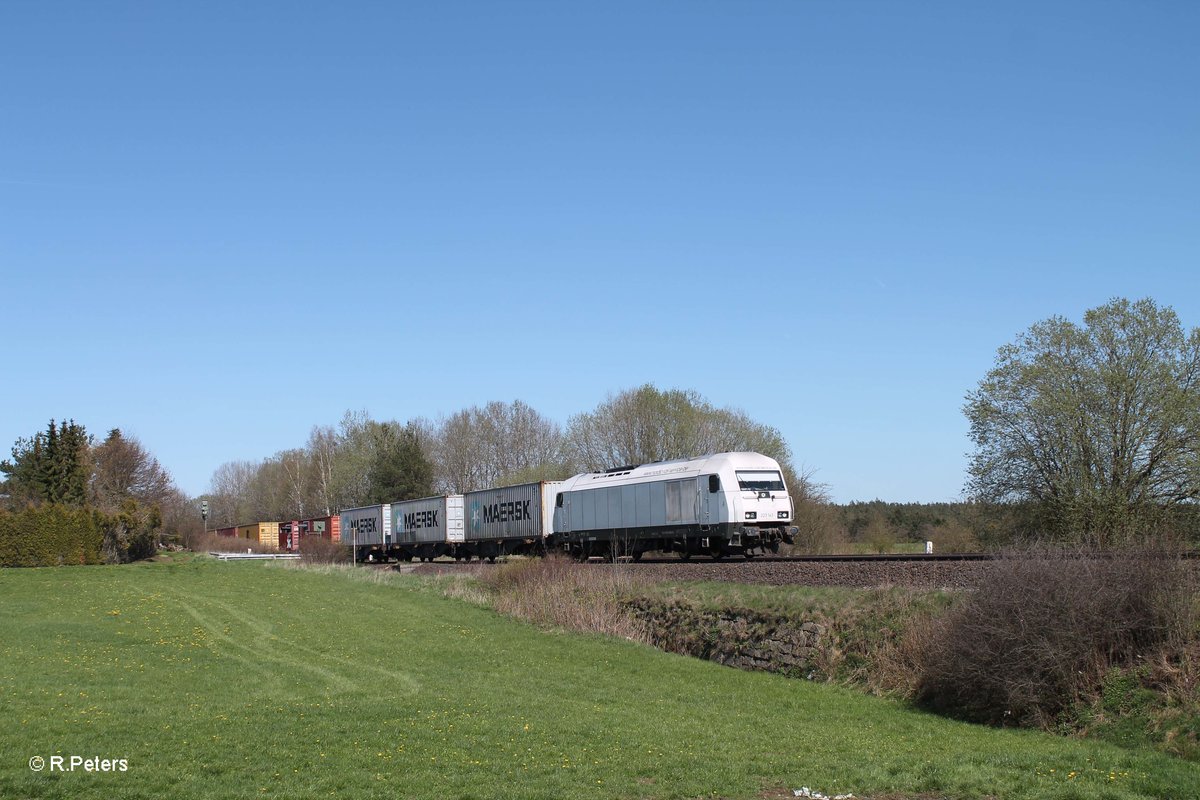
x=249 y=680
x=809 y=602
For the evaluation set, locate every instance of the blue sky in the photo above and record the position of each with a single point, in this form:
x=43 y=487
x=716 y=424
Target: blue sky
x=224 y=223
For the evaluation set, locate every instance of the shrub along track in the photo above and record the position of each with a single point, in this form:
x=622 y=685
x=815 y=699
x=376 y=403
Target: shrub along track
x=853 y=571
x=862 y=572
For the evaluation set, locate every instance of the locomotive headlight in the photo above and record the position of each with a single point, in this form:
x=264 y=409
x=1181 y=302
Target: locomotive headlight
x=783 y=515
x=751 y=515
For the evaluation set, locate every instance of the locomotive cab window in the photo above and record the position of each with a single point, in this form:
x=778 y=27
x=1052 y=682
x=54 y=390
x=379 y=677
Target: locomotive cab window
x=759 y=480
x=714 y=484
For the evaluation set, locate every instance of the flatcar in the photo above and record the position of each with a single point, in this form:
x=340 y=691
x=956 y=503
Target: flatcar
x=510 y=519
x=429 y=527
x=723 y=504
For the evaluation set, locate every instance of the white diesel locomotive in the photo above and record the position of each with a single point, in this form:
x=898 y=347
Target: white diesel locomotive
x=718 y=505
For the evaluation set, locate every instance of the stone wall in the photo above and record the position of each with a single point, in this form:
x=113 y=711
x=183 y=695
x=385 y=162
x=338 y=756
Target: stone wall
x=735 y=637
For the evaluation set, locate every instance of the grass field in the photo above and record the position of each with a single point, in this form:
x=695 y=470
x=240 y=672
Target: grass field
x=249 y=680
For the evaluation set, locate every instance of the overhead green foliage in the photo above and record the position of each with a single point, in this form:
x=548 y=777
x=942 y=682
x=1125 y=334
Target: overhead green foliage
x=1094 y=429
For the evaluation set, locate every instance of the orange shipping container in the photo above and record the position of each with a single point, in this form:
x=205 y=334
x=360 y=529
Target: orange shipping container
x=326 y=527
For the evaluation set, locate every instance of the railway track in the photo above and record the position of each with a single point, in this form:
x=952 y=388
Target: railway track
x=864 y=558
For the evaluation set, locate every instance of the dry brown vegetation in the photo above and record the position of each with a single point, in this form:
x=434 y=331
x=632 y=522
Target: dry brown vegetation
x=557 y=592
x=1044 y=629
x=1073 y=641
x=212 y=543
x=317 y=550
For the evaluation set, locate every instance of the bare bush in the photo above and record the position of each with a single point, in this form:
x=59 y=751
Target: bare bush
x=214 y=543
x=819 y=529
x=952 y=536
x=556 y=591
x=879 y=535
x=318 y=550
x=1044 y=627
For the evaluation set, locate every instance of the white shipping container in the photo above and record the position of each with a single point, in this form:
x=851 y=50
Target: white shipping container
x=368 y=525
x=454 y=519
x=512 y=512
x=428 y=520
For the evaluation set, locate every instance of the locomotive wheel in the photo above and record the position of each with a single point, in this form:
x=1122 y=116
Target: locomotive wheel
x=636 y=555
x=684 y=555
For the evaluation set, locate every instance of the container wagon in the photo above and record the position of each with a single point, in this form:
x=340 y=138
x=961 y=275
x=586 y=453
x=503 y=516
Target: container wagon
x=291 y=534
x=265 y=533
x=326 y=527
x=429 y=527
x=512 y=519
x=368 y=530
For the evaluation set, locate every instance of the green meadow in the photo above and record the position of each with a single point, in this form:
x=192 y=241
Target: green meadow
x=215 y=680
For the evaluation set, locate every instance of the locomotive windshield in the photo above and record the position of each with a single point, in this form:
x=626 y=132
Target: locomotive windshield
x=760 y=480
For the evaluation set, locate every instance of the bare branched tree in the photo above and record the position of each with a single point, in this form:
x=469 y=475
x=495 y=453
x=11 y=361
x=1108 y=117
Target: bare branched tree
x=231 y=493
x=646 y=424
x=125 y=470
x=499 y=443
x=323 y=444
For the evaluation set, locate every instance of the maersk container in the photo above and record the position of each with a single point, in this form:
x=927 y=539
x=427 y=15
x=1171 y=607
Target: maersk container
x=369 y=525
x=522 y=512
x=430 y=520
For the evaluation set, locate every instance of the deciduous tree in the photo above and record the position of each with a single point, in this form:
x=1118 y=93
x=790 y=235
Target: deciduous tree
x=493 y=445
x=125 y=470
x=1095 y=427
x=647 y=424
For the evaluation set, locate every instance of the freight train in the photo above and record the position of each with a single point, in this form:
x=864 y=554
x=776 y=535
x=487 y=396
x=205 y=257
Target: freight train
x=716 y=505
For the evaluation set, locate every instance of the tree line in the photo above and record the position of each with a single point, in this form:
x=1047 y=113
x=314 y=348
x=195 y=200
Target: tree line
x=362 y=461
x=1083 y=433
